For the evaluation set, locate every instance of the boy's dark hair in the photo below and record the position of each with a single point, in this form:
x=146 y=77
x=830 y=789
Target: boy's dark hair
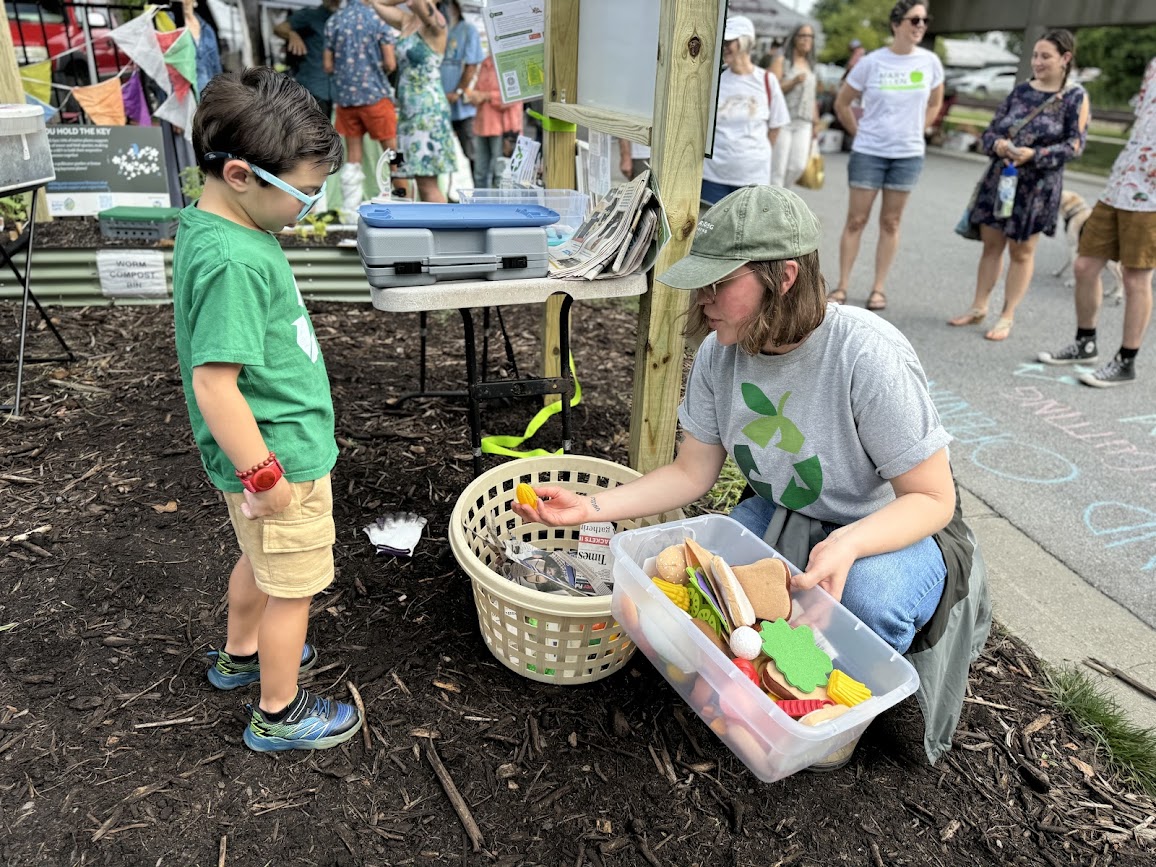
x=264 y=117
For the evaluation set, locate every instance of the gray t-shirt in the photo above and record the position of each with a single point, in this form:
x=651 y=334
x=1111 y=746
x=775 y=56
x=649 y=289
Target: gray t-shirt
x=822 y=428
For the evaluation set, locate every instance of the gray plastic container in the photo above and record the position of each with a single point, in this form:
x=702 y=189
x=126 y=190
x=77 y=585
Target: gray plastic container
x=25 y=159
x=421 y=257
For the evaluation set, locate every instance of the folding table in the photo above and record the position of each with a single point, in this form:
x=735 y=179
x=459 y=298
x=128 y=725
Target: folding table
x=466 y=295
x=8 y=257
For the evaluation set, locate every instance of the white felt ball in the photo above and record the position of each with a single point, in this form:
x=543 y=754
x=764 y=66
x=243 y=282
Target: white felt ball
x=746 y=643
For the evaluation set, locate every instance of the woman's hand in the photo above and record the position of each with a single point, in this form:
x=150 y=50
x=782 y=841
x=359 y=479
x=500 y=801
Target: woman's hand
x=556 y=507
x=828 y=565
x=1019 y=156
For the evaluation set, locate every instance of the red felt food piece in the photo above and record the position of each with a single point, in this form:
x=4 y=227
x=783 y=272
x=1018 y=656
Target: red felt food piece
x=800 y=707
x=748 y=668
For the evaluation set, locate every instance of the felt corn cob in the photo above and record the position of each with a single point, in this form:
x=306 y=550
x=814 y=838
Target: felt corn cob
x=525 y=495
x=676 y=593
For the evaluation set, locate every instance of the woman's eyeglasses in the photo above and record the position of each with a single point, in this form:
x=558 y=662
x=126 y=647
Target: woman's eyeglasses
x=916 y=21
x=710 y=290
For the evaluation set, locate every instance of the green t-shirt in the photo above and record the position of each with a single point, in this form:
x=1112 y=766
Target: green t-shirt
x=235 y=301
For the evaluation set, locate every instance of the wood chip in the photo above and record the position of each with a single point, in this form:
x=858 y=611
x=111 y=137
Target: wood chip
x=1037 y=724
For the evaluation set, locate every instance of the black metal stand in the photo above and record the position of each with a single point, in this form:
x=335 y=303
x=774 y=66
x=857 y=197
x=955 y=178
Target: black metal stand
x=25 y=281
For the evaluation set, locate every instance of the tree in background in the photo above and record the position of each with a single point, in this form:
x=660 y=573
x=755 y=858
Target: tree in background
x=1122 y=54
x=844 y=20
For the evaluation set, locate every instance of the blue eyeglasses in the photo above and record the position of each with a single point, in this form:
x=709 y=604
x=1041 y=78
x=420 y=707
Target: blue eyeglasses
x=307 y=201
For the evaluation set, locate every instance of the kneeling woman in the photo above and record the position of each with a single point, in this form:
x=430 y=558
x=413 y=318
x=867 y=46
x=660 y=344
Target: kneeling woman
x=826 y=411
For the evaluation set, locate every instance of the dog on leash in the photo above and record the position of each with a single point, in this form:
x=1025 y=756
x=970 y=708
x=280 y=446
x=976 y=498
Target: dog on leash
x=1075 y=211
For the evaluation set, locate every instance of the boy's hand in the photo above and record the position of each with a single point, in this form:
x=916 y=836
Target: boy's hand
x=556 y=507
x=296 y=45
x=270 y=502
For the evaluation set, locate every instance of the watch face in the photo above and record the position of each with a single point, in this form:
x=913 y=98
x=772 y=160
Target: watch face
x=265 y=478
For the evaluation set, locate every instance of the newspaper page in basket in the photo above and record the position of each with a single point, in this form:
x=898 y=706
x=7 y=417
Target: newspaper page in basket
x=618 y=236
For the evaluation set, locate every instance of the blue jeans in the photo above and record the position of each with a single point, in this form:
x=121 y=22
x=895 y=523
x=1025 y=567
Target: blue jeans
x=869 y=172
x=487 y=151
x=713 y=193
x=895 y=594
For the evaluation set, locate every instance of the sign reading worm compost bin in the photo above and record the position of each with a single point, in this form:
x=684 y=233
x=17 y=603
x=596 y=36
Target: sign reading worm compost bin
x=101 y=167
x=132 y=273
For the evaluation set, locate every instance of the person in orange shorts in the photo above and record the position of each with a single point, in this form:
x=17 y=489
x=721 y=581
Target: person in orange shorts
x=359 y=55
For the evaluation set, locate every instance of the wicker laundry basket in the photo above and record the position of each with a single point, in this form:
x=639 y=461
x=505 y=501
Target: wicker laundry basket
x=546 y=637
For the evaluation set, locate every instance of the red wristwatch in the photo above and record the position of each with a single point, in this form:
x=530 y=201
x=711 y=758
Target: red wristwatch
x=263 y=476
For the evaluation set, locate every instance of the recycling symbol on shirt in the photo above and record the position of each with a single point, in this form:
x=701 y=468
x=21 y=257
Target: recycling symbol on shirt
x=774 y=423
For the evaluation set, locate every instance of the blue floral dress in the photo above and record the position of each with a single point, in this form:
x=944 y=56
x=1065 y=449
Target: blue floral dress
x=424 y=133
x=1056 y=137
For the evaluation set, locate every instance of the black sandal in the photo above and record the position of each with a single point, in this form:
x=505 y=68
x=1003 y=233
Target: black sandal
x=837 y=296
x=874 y=305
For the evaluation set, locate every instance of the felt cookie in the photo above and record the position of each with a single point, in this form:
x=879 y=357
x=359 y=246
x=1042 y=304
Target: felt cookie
x=767 y=583
x=671 y=565
x=804 y=664
x=823 y=714
x=774 y=682
x=712 y=635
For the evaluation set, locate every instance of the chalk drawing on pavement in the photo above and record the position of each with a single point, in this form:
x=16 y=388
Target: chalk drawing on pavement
x=1114 y=520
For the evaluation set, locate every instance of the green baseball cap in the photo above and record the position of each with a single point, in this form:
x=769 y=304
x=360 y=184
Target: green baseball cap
x=753 y=224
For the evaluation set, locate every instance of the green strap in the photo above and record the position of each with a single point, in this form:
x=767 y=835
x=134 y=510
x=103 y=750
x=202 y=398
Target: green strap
x=508 y=445
x=552 y=124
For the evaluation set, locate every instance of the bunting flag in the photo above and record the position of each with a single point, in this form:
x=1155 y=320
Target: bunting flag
x=49 y=111
x=136 y=107
x=165 y=23
x=102 y=102
x=180 y=55
x=37 y=80
x=179 y=111
x=138 y=40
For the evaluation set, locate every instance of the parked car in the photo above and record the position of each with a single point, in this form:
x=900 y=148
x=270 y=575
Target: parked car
x=991 y=82
x=39 y=33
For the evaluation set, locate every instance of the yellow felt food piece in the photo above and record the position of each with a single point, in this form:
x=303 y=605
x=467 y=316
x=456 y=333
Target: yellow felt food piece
x=676 y=593
x=846 y=690
x=525 y=495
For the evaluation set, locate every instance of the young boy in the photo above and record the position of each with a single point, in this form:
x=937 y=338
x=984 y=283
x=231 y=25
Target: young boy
x=257 y=390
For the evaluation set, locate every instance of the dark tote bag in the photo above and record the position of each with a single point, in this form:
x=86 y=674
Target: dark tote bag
x=965 y=228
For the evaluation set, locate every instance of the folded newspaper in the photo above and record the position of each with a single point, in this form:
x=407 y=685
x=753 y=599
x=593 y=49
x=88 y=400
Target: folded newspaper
x=622 y=235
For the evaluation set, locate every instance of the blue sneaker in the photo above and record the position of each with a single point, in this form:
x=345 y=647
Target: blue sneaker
x=224 y=673
x=311 y=723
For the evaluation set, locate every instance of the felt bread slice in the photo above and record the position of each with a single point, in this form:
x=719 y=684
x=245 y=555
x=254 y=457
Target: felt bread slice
x=735 y=599
x=697 y=555
x=711 y=635
x=775 y=682
x=671 y=565
x=767 y=583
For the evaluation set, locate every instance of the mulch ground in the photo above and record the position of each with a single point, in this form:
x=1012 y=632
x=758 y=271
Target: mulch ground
x=114 y=553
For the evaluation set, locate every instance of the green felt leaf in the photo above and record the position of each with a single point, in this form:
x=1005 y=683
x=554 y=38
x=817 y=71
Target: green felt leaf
x=802 y=662
x=756 y=401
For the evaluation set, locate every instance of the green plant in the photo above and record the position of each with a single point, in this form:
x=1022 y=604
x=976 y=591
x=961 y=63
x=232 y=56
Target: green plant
x=1129 y=749
x=15 y=208
x=192 y=182
x=724 y=496
x=318 y=223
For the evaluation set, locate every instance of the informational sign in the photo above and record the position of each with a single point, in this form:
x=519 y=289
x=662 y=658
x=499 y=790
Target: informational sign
x=132 y=273
x=100 y=167
x=516 y=30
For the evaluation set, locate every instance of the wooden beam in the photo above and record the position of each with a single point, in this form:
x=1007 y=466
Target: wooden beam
x=560 y=173
x=616 y=123
x=686 y=69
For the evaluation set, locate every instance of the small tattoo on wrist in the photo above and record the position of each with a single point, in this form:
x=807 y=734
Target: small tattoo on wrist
x=594 y=504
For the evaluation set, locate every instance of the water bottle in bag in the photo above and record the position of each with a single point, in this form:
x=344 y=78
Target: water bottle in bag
x=1006 y=193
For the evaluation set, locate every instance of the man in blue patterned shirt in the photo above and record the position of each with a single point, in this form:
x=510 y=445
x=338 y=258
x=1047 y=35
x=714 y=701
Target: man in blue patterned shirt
x=359 y=55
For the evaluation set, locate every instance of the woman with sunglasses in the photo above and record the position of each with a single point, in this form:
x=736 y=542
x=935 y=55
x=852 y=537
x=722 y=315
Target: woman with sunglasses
x=751 y=111
x=825 y=411
x=900 y=87
x=1040 y=126
x=795 y=69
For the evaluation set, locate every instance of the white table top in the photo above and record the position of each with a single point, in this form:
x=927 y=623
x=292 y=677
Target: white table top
x=497 y=293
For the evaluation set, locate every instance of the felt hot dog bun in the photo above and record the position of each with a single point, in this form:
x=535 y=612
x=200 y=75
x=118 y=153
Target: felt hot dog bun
x=738 y=606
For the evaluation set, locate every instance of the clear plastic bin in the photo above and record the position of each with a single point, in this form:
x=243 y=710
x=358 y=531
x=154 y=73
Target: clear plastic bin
x=769 y=743
x=571 y=205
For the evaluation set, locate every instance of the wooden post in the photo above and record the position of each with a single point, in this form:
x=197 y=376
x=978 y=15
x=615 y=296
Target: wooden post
x=12 y=92
x=558 y=158
x=686 y=69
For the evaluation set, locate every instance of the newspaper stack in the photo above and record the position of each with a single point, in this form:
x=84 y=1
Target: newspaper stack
x=621 y=236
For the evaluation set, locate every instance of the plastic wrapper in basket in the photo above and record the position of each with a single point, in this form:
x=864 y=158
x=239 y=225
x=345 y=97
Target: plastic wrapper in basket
x=545 y=637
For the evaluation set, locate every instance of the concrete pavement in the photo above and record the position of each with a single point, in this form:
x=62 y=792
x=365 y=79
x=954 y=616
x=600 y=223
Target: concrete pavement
x=1057 y=517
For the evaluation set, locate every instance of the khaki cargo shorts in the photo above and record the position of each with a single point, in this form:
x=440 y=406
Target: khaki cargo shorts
x=292 y=552
x=1127 y=237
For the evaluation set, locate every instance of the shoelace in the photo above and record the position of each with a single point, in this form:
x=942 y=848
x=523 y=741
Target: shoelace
x=1113 y=368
